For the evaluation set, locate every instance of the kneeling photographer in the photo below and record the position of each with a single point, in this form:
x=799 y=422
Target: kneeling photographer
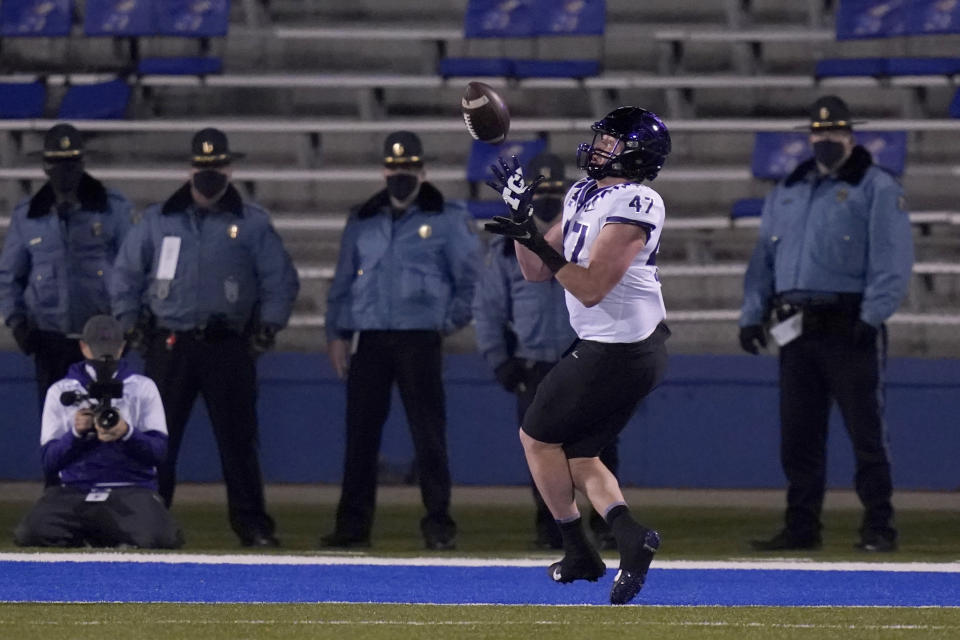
x=103 y=435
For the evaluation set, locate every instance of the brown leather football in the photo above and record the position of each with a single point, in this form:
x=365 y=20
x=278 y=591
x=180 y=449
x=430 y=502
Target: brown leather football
x=485 y=113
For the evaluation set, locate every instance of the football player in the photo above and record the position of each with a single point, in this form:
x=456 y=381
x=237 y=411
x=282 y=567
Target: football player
x=603 y=252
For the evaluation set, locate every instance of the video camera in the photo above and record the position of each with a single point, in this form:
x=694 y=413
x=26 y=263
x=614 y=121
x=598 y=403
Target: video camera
x=100 y=392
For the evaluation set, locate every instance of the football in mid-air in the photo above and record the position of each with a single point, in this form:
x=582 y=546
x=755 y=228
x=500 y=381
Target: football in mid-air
x=485 y=113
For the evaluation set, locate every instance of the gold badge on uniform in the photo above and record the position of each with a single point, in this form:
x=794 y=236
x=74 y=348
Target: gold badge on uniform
x=842 y=195
x=35 y=241
x=232 y=231
x=425 y=231
x=97 y=229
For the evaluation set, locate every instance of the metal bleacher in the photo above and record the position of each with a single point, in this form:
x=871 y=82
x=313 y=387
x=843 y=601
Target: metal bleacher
x=309 y=89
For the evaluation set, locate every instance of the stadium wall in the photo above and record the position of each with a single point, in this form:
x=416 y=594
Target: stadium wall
x=712 y=423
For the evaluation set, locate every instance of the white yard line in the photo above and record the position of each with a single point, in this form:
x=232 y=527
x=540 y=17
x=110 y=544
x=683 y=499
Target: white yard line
x=775 y=564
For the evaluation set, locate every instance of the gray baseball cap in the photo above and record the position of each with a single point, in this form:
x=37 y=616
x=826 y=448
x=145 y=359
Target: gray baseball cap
x=103 y=335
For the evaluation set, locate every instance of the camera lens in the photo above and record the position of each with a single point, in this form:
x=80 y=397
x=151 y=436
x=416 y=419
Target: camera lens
x=106 y=418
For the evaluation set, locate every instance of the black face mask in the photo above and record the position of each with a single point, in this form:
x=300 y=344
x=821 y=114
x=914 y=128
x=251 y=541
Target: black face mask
x=65 y=176
x=547 y=208
x=209 y=183
x=401 y=186
x=828 y=153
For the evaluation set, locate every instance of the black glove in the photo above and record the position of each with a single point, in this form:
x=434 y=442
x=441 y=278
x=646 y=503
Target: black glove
x=264 y=338
x=752 y=335
x=864 y=334
x=515 y=192
x=134 y=337
x=26 y=336
x=520 y=226
x=511 y=374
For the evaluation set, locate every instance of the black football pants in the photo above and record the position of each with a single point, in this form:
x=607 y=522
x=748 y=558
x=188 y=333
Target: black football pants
x=414 y=360
x=546 y=526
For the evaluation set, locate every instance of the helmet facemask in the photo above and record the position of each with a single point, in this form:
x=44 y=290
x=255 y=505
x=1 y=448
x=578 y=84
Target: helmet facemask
x=600 y=158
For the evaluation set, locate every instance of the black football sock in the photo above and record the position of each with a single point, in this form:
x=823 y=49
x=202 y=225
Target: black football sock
x=630 y=537
x=575 y=541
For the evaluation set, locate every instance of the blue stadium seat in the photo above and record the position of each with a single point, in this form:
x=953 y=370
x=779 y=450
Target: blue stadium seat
x=955 y=105
x=192 y=19
x=120 y=18
x=36 y=18
x=482 y=155
x=107 y=100
x=872 y=18
x=498 y=19
x=881 y=67
x=888 y=148
x=934 y=17
x=776 y=154
x=490 y=19
x=923 y=66
x=471 y=67
x=182 y=66
x=22 y=100
x=834 y=67
x=529 y=19
x=555 y=68
x=746 y=208
x=581 y=18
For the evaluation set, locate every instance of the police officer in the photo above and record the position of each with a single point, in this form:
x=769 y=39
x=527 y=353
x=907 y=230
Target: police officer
x=57 y=257
x=833 y=262
x=404 y=279
x=217 y=285
x=523 y=329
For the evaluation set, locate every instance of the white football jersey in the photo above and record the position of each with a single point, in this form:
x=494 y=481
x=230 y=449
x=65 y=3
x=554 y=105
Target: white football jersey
x=634 y=307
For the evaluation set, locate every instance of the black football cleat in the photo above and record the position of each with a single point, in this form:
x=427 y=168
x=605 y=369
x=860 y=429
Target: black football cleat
x=628 y=583
x=340 y=541
x=786 y=541
x=579 y=567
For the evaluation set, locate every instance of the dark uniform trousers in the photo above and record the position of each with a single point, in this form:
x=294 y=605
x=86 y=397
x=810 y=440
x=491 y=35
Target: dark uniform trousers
x=414 y=360
x=223 y=370
x=545 y=524
x=821 y=365
x=129 y=516
x=54 y=354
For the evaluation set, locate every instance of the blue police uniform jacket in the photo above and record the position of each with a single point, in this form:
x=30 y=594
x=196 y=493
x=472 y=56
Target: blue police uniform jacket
x=231 y=262
x=844 y=233
x=507 y=308
x=416 y=271
x=55 y=271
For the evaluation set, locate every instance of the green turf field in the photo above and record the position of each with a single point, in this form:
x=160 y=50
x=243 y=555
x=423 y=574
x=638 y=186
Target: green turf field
x=490 y=530
x=507 y=530
x=406 y=622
